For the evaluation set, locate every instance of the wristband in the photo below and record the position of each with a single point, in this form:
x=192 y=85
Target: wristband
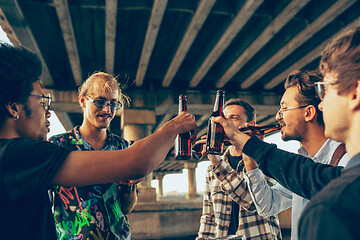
x=125 y=186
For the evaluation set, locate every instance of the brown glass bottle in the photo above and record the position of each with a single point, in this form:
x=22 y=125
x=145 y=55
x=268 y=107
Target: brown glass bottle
x=261 y=130
x=215 y=132
x=182 y=141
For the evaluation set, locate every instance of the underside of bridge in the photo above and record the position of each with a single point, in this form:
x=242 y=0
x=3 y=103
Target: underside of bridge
x=162 y=48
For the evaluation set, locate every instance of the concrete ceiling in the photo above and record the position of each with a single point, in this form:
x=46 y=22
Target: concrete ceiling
x=161 y=48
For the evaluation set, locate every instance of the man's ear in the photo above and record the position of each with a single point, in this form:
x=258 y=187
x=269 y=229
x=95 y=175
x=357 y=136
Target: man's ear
x=13 y=109
x=310 y=113
x=82 y=101
x=354 y=96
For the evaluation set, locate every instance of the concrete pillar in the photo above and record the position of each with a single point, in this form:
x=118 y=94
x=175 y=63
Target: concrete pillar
x=192 y=193
x=133 y=132
x=160 y=178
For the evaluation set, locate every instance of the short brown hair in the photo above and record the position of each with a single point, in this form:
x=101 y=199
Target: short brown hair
x=305 y=82
x=249 y=110
x=342 y=58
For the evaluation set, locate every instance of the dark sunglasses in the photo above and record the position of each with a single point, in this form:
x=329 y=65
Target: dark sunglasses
x=99 y=103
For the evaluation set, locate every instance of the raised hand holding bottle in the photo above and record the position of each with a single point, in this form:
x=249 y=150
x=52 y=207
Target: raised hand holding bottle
x=215 y=132
x=182 y=141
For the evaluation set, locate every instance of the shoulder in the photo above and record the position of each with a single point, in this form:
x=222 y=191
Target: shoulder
x=331 y=213
x=36 y=152
x=341 y=193
x=19 y=144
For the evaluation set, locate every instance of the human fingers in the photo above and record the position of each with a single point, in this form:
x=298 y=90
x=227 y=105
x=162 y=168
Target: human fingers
x=185 y=122
x=137 y=180
x=229 y=127
x=236 y=137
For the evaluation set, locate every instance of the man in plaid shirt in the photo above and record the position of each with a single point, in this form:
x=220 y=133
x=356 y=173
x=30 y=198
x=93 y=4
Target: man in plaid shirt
x=227 y=205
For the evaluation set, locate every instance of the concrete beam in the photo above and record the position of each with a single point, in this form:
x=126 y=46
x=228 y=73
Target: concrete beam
x=274 y=27
x=236 y=25
x=157 y=14
x=308 y=57
x=62 y=10
x=328 y=16
x=193 y=29
x=110 y=33
x=205 y=109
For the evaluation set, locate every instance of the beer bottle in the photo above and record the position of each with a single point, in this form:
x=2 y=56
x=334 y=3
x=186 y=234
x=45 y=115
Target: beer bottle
x=215 y=132
x=261 y=130
x=183 y=141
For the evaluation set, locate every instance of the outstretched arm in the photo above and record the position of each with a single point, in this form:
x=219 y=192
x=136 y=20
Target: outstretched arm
x=295 y=172
x=131 y=163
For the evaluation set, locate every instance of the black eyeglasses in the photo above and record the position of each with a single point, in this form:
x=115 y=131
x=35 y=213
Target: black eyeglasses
x=320 y=89
x=47 y=100
x=100 y=103
x=280 y=112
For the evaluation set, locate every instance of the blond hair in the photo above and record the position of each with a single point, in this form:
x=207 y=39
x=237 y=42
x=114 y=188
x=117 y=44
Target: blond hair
x=108 y=80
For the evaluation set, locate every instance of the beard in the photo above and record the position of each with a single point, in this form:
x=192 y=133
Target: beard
x=296 y=135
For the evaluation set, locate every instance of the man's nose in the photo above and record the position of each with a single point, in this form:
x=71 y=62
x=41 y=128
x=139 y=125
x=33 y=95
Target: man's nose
x=107 y=108
x=278 y=116
x=320 y=106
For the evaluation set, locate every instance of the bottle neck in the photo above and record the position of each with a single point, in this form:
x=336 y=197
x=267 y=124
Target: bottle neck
x=261 y=130
x=182 y=104
x=218 y=106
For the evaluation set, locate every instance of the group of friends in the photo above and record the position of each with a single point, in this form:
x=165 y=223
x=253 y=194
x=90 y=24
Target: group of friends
x=82 y=184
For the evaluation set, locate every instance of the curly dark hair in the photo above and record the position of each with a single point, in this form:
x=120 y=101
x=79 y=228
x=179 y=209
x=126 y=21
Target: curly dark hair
x=19 y=69
x=249 y=110
x=305 y=82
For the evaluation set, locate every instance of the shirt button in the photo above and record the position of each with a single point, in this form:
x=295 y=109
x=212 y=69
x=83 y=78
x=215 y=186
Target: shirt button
x=228 y=209
x=217 y=174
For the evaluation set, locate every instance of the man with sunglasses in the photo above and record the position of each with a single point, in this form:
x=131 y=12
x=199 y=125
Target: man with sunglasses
x=333 y=211
x=302 y=121
x=29 y=166
x=106 y=204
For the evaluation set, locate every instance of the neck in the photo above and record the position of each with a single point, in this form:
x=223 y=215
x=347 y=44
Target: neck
x=235 y=151
x=9 y=129
x=96 y=137
x=314 y=140
x=351 y=136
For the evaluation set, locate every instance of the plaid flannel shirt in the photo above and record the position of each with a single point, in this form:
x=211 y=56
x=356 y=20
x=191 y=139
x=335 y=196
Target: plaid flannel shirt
x=224 y=185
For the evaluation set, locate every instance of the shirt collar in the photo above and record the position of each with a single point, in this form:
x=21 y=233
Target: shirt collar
x=225 y=158
x=109 y=139
x=324 y=154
